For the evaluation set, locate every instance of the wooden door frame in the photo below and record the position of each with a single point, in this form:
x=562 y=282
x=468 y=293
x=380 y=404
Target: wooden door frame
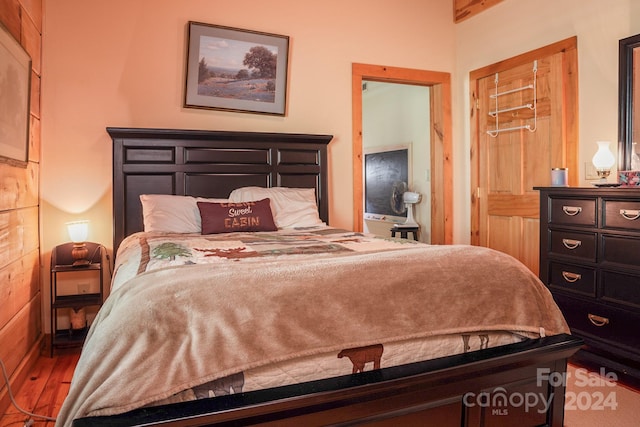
x=567 y=46
x=441 y=141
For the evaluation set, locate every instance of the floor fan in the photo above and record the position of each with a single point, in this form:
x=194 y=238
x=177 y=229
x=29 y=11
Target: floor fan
x=410 y=199
x=403 y=200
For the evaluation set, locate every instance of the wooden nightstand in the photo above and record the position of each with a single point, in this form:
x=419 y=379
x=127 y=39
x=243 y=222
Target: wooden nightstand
x=62 y=266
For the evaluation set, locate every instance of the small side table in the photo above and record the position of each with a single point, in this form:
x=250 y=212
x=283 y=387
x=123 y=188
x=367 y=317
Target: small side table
x=404 y=232
x=62 y=264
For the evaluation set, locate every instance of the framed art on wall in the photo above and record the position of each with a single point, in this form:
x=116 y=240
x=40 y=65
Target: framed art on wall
x=15 y=87
x=236 y=70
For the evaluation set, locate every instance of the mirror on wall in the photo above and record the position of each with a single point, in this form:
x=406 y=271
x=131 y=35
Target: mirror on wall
x=629 y=100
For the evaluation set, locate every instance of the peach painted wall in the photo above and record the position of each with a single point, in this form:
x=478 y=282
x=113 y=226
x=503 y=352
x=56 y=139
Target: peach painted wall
x=121 y=63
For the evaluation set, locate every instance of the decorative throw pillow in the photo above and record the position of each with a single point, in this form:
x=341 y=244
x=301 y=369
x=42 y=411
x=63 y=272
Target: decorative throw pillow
x=230 y=217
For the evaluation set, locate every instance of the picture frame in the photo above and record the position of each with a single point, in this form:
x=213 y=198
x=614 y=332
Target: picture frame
x=15 y=87
x=238 y=70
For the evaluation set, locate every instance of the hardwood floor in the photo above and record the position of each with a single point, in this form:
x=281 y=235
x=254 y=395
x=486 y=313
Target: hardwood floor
x=45 y=390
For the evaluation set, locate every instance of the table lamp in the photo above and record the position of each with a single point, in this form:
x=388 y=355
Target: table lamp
x=78 y=232
x=603 y=160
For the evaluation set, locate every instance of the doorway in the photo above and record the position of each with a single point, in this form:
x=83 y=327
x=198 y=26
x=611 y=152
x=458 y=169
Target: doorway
x=440 y=141
x=395 y=140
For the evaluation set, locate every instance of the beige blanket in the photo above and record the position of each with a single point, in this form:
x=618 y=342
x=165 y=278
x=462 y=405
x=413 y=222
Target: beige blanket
x=174 y=328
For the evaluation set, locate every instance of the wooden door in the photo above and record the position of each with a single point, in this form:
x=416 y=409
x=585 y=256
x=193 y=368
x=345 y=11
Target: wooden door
x=524 y=124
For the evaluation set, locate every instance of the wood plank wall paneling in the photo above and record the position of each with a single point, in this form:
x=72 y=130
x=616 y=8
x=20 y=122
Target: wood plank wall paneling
x=20 y=285
x=464 y=9
x=18 y=186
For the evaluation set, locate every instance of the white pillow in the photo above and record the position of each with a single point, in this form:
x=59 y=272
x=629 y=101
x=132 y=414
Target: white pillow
x=292 y=207
x=172 y=214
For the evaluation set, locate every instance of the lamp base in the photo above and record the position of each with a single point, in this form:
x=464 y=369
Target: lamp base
x=79 y=254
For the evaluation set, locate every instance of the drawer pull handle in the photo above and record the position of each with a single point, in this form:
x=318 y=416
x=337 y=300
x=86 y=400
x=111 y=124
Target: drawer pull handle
x=571 y=277
x=570 y=243
x=572 y=210
x=598 y=320
x=630 y=214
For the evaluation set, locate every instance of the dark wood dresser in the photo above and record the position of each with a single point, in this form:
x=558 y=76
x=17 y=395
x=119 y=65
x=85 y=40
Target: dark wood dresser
x=590 y=260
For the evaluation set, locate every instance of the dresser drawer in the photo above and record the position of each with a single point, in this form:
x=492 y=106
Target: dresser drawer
x=572 y=278
x=618 y=327
x=621 y=288
x=579 y=245
x=621 y=250
x=573 y=211
x=624 y=214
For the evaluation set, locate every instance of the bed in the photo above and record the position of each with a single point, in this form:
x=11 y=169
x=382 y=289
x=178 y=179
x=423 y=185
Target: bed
x=306 y=324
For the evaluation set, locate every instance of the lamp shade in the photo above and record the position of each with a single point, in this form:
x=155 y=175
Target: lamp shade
x=604 y=158
x=78 y=231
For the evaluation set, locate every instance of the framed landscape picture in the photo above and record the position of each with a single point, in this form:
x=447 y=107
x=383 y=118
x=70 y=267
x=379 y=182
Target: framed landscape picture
x=236 y=70
x=15 y=87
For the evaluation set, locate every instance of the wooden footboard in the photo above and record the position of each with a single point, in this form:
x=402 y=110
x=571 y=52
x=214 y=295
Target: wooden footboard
x=501 y=386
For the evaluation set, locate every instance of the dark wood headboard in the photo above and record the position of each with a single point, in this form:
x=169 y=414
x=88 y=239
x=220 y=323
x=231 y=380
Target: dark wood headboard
x=209 y=164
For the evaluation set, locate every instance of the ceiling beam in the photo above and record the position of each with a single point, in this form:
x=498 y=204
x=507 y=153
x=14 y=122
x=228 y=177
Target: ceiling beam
x=464 y=9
